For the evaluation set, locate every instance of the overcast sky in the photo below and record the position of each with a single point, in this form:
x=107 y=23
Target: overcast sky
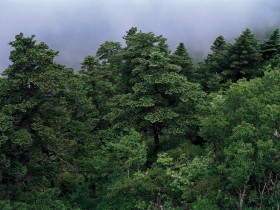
x=76 y=28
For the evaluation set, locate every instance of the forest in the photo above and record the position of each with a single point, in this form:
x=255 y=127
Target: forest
x=142 y=127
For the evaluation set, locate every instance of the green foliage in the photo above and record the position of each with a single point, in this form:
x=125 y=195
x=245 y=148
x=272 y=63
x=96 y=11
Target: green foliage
x=45 y=117
x=203 y=203
x=156 y=98
x=8 y=205
x=107 y=51
x=181 y=58
x=244 y=57
x=210 y=72
x=271 y=47
x=238 y=163
x=250 y=118
x=130 y=151
x=133 y=129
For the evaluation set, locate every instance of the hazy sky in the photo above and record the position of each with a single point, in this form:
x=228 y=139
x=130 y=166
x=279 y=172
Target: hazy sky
x=76 y=28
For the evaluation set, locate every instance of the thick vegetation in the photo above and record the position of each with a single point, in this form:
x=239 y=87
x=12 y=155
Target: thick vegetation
x=139 y=127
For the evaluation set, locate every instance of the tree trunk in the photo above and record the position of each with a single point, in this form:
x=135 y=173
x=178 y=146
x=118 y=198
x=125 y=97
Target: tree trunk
x=156 y=138
x=241 y=194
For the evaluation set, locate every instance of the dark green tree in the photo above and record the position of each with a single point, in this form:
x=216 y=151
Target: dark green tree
x=107 y=50
x=210 y=72
x=244 y=58
x=271 y=47
x=98 y=80
x=139 y=46
x=181 y=58
x=159 y=98
x=132 y=129
x=48 y=119
x=242 y=129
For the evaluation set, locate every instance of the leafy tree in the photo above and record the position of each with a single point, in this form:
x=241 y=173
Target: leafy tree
x=238 y=166
x=128 y=157
x=130 y=152
x=241 y=128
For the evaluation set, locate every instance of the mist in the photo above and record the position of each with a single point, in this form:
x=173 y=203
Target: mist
x=76 y=28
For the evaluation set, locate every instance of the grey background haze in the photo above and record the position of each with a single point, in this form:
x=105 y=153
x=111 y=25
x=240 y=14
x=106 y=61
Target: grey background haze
x=76 y=28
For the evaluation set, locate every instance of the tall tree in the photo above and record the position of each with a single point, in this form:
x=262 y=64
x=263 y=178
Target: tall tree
x=181 y=58
x=271 y=47
x=244 y=56
x=98 y=80
x=139 y=46
x=49 y=119
x=242 y=127
x=159 y=98
x=210 y=72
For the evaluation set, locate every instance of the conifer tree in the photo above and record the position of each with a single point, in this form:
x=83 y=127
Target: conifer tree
x=271 y=47
x=158 y=95
x=244 y=57
x=49 y=121
x=181 y=58
x=210 y=72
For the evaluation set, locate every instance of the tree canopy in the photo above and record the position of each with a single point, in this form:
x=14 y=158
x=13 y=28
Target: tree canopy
x=141 y=127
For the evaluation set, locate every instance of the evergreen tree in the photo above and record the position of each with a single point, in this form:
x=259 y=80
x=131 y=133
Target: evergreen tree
x=98 y=80
x=271 y=47
x=244 y=58
x=107 y=50
x=139 y=46
x=159 y=98
x=210 y=73
x=48 y=119
x=131 y=130
x=181 y=58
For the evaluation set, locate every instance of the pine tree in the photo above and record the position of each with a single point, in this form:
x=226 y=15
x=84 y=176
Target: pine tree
x=244 y=57
x=49 y=122
x=159 y=98
x=181 y=58
x=210 y=72
x=139 y=47
x=271 y=47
